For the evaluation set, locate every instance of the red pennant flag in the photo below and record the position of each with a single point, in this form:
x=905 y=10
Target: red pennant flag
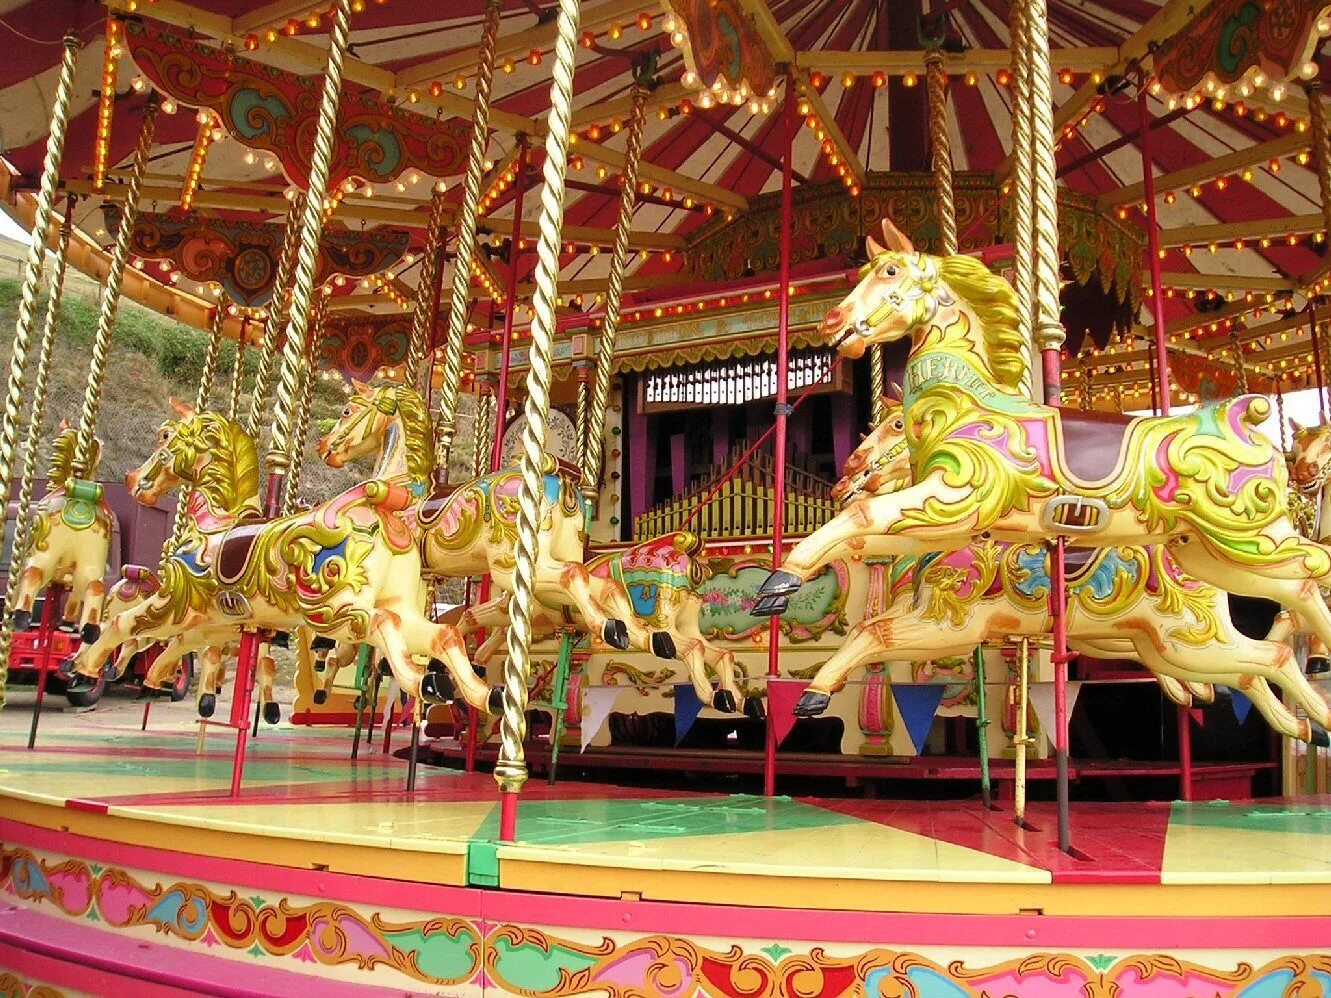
x=782 y=695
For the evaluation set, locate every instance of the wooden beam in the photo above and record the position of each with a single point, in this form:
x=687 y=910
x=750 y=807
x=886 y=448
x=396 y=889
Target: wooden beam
x=361 y=300
x=274 y=14
x=1286 y=145
x=680 y=184
x=666 y=95
x=783 y=52
x=896 y=63
x=1226 y=282
x=540 y=36
x=594 y=285
x=1227 y=232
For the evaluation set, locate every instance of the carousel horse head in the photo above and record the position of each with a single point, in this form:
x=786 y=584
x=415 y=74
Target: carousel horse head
x=370 y=421
x=1310 y=456
x=208 y=451
x=881 y=463
x=62 y=456
x=902 y=292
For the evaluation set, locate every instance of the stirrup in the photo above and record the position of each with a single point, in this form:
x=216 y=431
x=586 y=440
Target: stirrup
x=1074 y=515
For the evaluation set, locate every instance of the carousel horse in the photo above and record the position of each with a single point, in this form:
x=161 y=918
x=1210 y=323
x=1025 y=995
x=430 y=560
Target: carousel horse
x=473 y=529
x=987 y=461
x=135 y=585
x=662 y=577
x=71 y=541
x=1123 y=602
x=1310 y=461
x=348 y=569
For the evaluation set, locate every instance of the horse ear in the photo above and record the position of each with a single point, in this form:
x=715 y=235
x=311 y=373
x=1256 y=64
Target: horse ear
x=1294 y=425
x=872 y=248
x=182 y=409
x=359 y=387
x=64 y=425
x=894 y=239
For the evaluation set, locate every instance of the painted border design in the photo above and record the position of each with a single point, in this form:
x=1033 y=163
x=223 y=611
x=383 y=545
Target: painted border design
x=445 y=950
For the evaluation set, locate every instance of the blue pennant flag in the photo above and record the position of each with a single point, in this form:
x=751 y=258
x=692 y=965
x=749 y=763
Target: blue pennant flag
x=1242 y=705
x=918 y=704
x=687 y=709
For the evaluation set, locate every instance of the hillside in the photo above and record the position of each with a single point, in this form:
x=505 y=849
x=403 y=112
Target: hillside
x=153 y=358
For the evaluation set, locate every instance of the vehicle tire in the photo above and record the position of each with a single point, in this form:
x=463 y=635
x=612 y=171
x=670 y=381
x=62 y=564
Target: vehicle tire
x=184 y=679
x=87 y=698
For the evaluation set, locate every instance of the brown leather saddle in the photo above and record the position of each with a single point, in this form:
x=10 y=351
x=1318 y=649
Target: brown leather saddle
x=433 y=507
x=234 y=551
x=1092 y=442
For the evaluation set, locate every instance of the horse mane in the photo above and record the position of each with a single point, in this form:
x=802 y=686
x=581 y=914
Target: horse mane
x=995 y=305
x=62 y=458
x=416 y=424
x=230 y=477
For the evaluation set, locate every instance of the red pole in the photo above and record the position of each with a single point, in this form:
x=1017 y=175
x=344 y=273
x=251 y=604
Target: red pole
x=46 y=634
x=1153 y=247
x=241 y=695
x=1059 y=598
x=1161 y=373
x=510 y=294
x=782 y=412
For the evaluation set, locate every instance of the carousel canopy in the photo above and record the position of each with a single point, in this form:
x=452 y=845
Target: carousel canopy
x=1223 y=85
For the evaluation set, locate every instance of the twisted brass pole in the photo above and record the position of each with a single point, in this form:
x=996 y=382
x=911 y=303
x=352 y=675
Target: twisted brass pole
x=18 y=557
x=302 y=427
x=1049 y=335
x=940 y=144
x=877 y=383
x=465 y=247
x=1321 y=146
x=422 y=319
x=201 y=396
x=106 y=315
x=32 y=276
x=584 y=372
x=1023 y=218
x=593 y=430
x=277 y=315
x=237 y=375
x=307 y=257
x=511 y=769
x=483 y=431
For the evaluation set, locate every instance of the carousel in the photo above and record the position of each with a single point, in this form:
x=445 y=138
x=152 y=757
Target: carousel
x=834 y=500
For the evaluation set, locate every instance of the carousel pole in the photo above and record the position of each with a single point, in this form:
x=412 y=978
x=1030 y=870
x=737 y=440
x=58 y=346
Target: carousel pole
x=306 y=260
x=594 y=440
x=22 y=519
x=511 y=769
x=510 y=304
x=201 y=396
x=277 y=314
x=1049 y=338
x=237 y=373
x=1321 y=146
x=1319 y=370
x=427 y=293
x=296 y=456
x=783 y=408
x=32 y=276
x=584 y=370
x=466 y=241
x=31 y=445
x=1023 y=217
x=1022 y=738
x=1161 y=366
x=941 y=145
x=106 y=315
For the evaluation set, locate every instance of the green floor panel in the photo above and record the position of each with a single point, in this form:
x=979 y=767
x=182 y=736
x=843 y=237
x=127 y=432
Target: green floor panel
x=1301 y=818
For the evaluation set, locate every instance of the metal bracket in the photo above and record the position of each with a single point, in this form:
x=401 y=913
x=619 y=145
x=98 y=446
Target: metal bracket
x=1074 y=515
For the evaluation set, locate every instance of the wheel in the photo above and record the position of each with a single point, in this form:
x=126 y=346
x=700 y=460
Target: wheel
x=184 y=678
x=87 y=698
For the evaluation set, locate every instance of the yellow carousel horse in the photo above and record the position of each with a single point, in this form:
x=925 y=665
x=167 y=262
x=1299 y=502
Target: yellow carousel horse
x=987 y=461
x=472 y=530
x=71 y=541
x=348 y=569
x=1123 y=602
x=662 y=577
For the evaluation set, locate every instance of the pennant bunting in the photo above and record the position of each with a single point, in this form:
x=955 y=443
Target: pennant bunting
x=782 y=695
x=1242 y=705
x=918 y=703
x=1042 y=702
x=687 y=709
x=597 y=704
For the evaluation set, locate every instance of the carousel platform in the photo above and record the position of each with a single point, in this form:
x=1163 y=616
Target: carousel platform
x=126 y=867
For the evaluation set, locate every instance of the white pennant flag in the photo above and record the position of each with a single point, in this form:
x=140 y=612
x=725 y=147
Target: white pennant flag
x=1042 y=702
x=597 y=703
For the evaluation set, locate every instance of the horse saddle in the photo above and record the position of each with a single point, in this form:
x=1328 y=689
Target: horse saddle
x=1092 y=443
x=433 y=506
x=234 y=551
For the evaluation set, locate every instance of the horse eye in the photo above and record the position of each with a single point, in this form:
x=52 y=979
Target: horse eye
x=891 y=271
